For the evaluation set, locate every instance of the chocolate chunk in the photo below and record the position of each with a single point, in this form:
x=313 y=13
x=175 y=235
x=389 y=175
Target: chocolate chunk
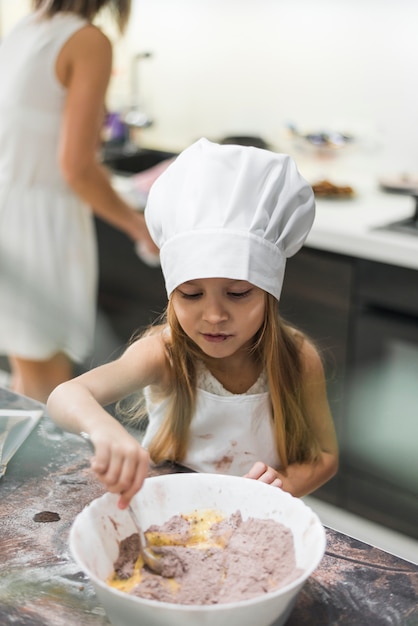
x=46 y=516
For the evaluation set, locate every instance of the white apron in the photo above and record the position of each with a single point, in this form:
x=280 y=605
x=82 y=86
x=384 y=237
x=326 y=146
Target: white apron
x=228 y=434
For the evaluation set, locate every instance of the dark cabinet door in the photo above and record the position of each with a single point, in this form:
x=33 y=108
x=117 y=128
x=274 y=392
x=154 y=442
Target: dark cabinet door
x=364 y=317
x=316 y=298
x=379 y=442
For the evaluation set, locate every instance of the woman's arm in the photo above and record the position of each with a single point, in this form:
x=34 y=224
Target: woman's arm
x=300 y=479
x=120 y=462
x=84 y=67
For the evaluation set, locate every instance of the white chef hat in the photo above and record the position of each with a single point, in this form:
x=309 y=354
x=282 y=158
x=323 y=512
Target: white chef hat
x=229 y=211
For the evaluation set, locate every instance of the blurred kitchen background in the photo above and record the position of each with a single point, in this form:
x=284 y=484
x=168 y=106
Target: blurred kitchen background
x=343 y=70
x=228 y=67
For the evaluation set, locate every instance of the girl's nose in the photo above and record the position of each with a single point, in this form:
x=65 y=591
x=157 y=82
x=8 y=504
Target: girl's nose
x=214 y=312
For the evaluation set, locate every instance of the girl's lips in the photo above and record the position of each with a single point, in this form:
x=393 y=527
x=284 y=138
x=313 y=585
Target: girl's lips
x=215 y=338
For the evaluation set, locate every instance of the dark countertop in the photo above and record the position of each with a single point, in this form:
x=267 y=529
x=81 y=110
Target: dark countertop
x=40 y=584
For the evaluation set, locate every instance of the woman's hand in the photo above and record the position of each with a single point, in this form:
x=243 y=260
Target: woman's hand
x=120 y=463
x=261 y=471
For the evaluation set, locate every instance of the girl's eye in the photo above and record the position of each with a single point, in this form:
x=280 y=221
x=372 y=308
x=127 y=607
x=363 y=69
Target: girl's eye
x=240 y=294
x=189 y=296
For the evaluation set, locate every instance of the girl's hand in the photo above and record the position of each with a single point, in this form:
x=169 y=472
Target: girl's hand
x=121 y=464
x=261 y=471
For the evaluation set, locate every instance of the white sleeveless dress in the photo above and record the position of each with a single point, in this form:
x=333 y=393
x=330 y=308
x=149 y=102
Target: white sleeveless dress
x=229 y=432
x=48 y=256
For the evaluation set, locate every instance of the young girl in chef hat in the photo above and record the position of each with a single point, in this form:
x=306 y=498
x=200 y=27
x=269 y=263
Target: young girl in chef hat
x=228 y=386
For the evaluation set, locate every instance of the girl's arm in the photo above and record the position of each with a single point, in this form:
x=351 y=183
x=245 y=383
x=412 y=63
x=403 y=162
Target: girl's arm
x=120 y=462
x=301 y=479
x=84 y=67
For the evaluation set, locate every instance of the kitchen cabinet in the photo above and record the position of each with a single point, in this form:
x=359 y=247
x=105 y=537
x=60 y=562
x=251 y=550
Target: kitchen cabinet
x=380 y=436
x=316 y=297
x=364 y=317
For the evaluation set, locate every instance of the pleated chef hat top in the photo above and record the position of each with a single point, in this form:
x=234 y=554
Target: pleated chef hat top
x=229 y=211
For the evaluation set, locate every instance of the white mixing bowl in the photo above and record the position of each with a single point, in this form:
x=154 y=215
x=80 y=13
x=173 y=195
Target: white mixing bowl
x=98 y=529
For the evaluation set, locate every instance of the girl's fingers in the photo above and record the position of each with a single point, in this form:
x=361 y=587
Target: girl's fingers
x=136 y=485
x=132 y=477
x=264 y=473
x=268 y=476
x=111 y=475
x=121 y=469
x=257 y=470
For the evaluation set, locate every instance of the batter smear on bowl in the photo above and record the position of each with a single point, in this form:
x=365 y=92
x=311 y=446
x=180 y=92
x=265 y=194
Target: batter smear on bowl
x=213 y=559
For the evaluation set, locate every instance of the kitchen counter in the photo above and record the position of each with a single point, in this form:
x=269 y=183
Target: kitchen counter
x=348 y=226
x=40 y=584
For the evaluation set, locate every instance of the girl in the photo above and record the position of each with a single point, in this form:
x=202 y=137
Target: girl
x=229 y=387
x=54 y=71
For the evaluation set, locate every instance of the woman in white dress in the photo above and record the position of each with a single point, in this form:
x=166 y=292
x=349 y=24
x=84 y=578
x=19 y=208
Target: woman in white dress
x=55 y=67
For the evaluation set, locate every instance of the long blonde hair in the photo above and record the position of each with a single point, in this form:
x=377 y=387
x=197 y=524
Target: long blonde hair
x=277 y=347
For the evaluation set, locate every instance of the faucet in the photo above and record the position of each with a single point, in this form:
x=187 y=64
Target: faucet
x=135 y=117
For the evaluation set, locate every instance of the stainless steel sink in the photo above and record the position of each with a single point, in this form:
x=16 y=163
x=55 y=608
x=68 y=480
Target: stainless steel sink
x=124 y=161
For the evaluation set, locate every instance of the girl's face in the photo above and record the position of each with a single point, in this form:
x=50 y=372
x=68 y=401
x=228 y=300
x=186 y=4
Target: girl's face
x=219 y=314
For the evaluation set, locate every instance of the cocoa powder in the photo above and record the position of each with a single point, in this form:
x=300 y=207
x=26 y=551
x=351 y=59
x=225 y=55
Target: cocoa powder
x=244 y=559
